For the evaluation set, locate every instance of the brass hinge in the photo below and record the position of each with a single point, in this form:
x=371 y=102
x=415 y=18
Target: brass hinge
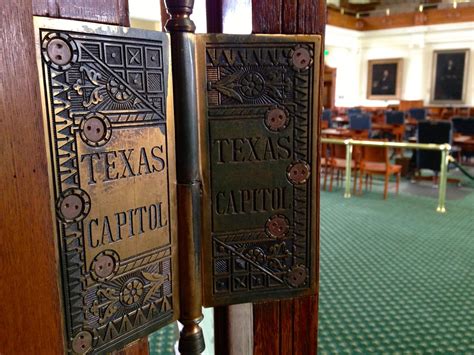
x=183 y=173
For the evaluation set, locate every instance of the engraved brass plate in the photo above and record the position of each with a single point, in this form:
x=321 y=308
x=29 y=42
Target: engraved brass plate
x=109 y=127
x=258 y=115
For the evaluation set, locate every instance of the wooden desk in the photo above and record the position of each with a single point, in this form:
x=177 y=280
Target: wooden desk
x=341 y=120
x=411 y=122
x=383 y=127
x=396 y=130
x=464 y=144
x=463 y=140
x=336 y=132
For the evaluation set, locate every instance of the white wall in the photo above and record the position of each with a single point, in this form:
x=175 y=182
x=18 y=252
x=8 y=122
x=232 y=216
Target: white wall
x=349 y=51
x=146 y=14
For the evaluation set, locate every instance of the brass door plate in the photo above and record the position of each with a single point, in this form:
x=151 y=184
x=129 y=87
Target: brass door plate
x=109 y=128
x=108 y=119
x=258 y=100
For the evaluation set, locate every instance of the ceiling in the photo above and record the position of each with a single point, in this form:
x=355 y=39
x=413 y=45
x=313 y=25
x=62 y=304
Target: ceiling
x=381 y=7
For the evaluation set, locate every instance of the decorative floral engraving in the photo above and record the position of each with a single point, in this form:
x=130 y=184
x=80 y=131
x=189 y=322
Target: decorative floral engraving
x=278 y=83
x=273 y=258
x=252 y=84
x=132 y=292
x=118 y=91
x=156 y=280
x=109 y=305
x=81 y=86
x=227 y=86
x=276 y=255
x=256 y=255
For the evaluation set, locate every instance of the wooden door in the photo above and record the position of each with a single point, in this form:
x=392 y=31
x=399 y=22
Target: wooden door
x=329 y=88
x=31 y=319
x=290 y=326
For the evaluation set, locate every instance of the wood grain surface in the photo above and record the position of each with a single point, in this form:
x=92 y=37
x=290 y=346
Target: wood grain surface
x=30 y=308
x=139 y=347
x=31 y=321
x=285 y=327
x=214 y=15
x=114 y=12
x=289 y=327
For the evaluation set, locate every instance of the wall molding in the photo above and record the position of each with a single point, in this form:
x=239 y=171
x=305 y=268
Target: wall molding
x=412 y=19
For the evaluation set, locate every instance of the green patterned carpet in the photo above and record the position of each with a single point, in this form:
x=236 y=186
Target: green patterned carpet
x=396 y=277
x=162 y=342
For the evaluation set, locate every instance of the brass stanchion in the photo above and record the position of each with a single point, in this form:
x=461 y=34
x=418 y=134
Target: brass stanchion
x=347 y=142
x=443 y=178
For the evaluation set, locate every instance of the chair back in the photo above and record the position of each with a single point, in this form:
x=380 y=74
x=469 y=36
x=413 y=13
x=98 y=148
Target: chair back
x=458 y=124
x=325 y=154
x=469 y=126
x=437 y=132
x=360 y=122
x=337 y=151
x=375 y=154
x=353 y=110
x=394 y=117
x=418 y=114
x=463 y=126
x=327 y=116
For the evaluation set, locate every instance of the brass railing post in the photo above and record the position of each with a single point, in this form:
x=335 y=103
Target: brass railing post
x=347 y=193
x=181 y=29
x=443 y=178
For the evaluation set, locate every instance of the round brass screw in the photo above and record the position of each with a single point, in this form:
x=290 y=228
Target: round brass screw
x=104 y=266
x=298 y=173
x=301 y=58
x=82 y=342
x=94 y=129
x=297 y=276
x=59 y=51
x=277 y=226
x=71 y=207
x=276 y=119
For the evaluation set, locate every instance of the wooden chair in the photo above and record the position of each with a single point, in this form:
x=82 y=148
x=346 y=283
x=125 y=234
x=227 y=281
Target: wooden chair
x=353 y=111
x=463 y=126
x=360 y=125
x=337 y=164
x=438 y=132
x=418 y=114
x=396 y=119
x=375 y=161
x=463 y=129
x=326 y=119
x=325 y=162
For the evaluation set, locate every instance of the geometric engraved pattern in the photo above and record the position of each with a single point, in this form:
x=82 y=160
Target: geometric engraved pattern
x=123 y=80
x=244 y=83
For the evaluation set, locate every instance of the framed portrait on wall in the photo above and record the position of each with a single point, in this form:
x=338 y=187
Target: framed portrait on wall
x=384 y=79
x=449 y=81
